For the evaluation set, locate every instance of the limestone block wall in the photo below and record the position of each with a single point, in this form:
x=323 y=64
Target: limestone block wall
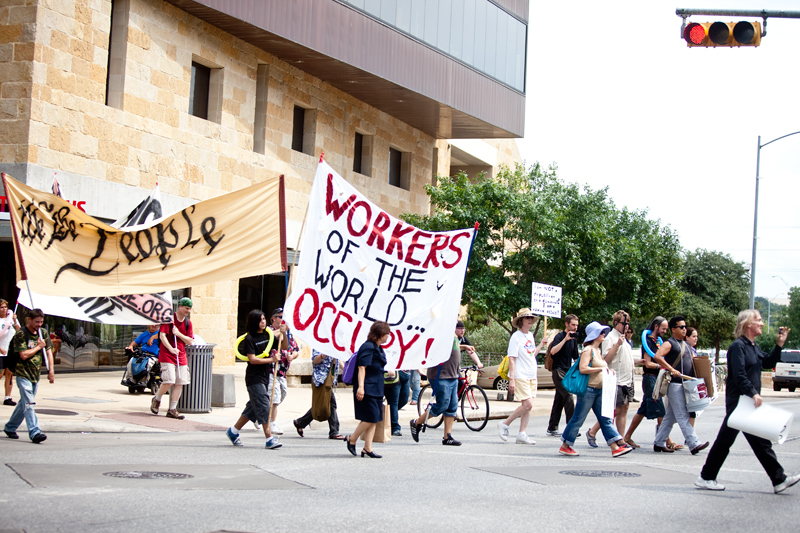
x=54 y=76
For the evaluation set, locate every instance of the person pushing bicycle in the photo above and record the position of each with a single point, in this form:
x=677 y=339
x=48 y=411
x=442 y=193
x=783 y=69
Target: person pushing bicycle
x=444 y=379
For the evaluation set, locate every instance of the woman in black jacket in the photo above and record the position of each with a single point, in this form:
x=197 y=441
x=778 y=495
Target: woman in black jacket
x=745 y=361
x=368 y=388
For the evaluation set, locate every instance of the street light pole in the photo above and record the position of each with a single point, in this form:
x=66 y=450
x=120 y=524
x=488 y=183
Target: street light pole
x=755 y=218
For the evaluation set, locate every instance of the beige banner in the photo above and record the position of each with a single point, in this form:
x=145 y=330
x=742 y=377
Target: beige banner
x=62 y=251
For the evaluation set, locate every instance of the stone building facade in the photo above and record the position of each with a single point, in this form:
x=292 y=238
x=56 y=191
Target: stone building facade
x=101 y=93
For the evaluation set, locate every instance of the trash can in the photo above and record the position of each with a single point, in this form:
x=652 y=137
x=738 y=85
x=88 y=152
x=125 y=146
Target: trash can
x=196 y=397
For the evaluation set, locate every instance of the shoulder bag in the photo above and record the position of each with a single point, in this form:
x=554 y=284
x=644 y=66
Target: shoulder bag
x=321 y=397
x=574 y=381
x=548 y=358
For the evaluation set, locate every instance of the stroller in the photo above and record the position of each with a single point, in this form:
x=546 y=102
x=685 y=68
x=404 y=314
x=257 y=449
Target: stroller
x=142 y=372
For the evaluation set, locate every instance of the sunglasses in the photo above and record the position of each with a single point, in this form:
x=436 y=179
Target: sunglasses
x=680 y=327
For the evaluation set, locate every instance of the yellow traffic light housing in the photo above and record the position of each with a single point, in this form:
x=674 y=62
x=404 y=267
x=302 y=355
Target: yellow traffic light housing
x=725 y=34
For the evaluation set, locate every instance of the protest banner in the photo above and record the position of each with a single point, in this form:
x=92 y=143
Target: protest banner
x=63 y=251
x=546 y=300
x=134 y=309
x=359 y=264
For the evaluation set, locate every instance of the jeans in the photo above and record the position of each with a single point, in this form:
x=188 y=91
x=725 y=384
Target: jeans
x=415 y=388
x=397 y=398
x=761 y=447
x=676 y=412
x=591 y=401
x=333 y=421
x=25 y=409
x=562 y=401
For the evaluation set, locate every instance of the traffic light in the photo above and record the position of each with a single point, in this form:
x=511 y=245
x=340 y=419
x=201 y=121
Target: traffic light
x=727 y=34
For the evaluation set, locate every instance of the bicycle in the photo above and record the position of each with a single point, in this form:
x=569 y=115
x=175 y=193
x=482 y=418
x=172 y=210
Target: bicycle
x=473 y=399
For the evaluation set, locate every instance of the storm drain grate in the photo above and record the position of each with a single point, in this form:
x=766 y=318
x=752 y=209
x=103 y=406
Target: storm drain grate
x=140 y=474
x=599 y=473
x=59 y=412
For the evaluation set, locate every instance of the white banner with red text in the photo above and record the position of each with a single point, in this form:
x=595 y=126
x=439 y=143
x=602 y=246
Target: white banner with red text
x=359 y=265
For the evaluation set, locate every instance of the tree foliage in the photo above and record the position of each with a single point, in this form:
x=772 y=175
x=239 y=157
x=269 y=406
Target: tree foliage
x=793 y=318
x=535 y=228
x=715 y=289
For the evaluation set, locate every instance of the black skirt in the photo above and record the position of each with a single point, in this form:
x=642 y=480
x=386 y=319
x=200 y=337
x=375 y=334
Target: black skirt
x=370 y=409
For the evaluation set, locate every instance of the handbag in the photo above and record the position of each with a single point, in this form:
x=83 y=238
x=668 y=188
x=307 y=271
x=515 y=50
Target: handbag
x=574 y=381
x=665 y=378
x=548 y=358
x=383 y=429
x=321 y=398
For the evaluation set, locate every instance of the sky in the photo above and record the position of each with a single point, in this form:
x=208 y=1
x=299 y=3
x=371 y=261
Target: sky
x=616 y=99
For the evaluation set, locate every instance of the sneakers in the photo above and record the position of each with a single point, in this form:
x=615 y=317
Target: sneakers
x=708 y=484
x=450 y=441
x=502 y=430
x=11 y=434
x=592 y=440
x=235 y=439
x=397 y=433
x=788 y=482
x=173 y=413
x=523 y=438
x=567 y=450
x=41 y=437
x=9 y=401
x=553 y=433
x=700 y=448
x=622 y=450
x=154 y=405
x=274 y=428
x=415 y=429
x=272 y=444
x=256 y=424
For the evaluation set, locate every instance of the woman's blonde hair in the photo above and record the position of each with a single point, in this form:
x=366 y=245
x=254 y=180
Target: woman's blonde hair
x=744 y=320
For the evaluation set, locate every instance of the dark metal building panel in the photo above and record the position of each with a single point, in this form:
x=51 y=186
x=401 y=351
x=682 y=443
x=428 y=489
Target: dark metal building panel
x=376 y=64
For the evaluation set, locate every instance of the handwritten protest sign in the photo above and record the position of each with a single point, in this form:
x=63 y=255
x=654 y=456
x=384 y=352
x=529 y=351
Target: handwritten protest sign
x=546 y=300
x=65 y=252
x=359 y=264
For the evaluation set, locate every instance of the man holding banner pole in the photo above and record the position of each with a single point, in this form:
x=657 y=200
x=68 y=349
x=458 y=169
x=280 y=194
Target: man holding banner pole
x=172 y=356
x=34 y=347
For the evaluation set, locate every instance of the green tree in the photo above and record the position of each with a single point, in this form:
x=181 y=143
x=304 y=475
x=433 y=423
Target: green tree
x=715 y=289
x=793 y=318
x=534 y=227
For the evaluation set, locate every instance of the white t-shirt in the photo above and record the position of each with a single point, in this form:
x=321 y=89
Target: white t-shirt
x=522 y=347
x=7 y=331
x=622 y=363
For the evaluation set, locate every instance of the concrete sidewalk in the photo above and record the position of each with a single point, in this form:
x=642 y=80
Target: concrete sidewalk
x=96 y=402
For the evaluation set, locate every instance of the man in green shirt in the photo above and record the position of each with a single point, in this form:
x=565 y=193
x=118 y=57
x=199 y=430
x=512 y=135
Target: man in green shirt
x=32 y=343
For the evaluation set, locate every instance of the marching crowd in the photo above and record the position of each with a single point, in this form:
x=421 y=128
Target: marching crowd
x=580 y=370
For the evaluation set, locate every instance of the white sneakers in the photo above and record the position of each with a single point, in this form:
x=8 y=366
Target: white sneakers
x=709 y=484
x=788 y=482
x=275 y=429
x=523 y=438
x=502 y=429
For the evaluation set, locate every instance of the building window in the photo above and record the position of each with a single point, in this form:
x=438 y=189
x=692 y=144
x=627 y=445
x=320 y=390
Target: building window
x=399 y=168
x=304 y=130
x=434 y=166
x=117 y=53
x=260 y=122
x=362 y=154
x=205 y=92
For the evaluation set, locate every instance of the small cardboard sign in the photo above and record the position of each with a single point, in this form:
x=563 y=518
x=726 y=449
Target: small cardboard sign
x=546 y=300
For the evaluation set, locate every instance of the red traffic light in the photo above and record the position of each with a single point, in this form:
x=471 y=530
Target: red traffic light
x=725 y=34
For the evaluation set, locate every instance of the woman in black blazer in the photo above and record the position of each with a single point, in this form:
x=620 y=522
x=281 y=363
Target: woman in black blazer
x=368 y=389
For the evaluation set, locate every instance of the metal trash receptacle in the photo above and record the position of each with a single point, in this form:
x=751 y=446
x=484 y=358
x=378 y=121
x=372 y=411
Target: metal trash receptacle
x=196 y=397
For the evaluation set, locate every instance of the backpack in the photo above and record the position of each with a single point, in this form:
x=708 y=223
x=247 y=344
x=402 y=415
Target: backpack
x=502 y=370
x=349 y=370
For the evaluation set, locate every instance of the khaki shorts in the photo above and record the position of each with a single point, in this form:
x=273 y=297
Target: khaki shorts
x=524 y=389
x=168 y=374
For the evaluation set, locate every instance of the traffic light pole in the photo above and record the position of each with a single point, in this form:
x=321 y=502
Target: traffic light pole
x=755 y=215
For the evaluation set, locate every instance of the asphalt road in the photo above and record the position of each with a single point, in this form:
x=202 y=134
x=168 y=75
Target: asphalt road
x=313 y=484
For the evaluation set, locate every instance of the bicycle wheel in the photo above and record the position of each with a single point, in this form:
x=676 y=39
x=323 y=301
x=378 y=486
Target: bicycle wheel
x=475 y=408
x=426 y=397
